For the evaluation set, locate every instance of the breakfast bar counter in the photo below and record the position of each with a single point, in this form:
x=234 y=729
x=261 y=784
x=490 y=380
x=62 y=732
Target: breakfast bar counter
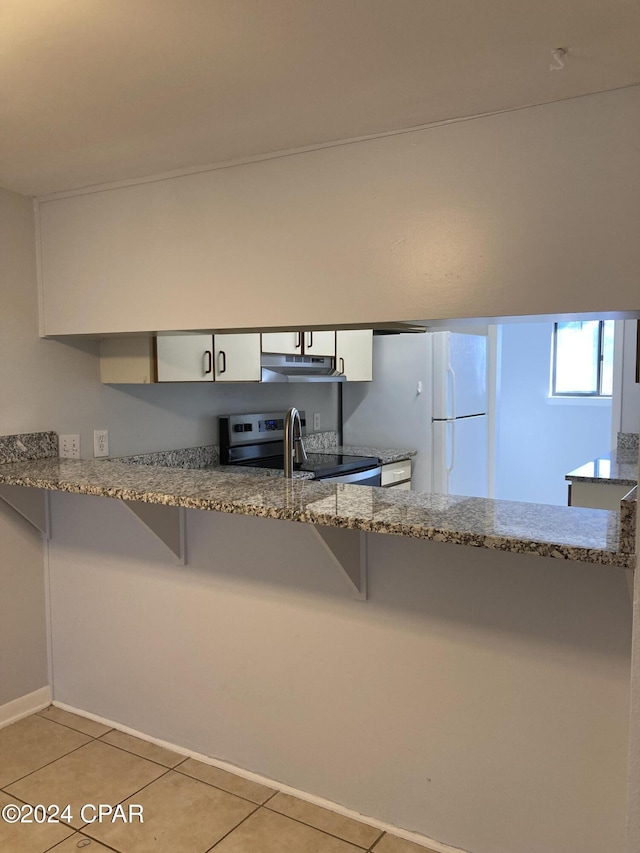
x=568 y=533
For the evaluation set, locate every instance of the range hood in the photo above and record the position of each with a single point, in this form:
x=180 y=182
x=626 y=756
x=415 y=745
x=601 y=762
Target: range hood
x=299 y=368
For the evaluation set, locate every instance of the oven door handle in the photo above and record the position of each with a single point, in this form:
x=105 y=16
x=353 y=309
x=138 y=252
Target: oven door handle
x=355 y=477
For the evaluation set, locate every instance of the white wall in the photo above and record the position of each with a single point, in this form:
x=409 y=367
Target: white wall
x=538 y=441
x=526 y=212
x=479 y=697
x=144 y=418
x=389 y=412
x=23 y=655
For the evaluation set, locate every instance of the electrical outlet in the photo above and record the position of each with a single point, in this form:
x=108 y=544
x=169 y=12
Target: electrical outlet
x=100 y=442
x=316 y=421
x=69 y=446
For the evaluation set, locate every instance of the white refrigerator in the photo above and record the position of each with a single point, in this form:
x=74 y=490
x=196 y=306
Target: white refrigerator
x=428 y=393
x=460 y=440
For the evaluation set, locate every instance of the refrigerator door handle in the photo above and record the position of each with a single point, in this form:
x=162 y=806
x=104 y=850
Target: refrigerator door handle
x=452 y=384
x=453 y=448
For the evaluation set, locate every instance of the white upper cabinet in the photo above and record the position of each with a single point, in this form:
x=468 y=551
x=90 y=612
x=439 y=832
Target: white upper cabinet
x=285 y=343
x=354 y=354
x=299 y=343
x=219 y=358
x=319 y=343
x=207 y=358
x=184 y=358
x=236 y=358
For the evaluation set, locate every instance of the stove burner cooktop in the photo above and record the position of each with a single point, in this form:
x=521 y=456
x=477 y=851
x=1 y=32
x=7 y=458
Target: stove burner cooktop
x=319 y=464
x=257 y=441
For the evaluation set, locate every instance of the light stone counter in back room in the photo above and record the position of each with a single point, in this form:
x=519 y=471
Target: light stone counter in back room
x=568 y=533
x=618 y=468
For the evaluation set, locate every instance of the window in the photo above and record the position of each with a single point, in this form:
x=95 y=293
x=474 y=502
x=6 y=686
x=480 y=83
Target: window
x=582 y=361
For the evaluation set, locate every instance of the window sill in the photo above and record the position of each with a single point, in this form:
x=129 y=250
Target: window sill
x=578 y=401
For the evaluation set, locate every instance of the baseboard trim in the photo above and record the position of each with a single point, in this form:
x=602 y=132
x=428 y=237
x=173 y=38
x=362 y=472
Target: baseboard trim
x=433 y=845
x=13 y=711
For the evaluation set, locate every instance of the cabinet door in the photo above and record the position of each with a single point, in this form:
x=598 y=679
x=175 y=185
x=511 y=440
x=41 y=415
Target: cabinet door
x=354 y=354
x=319 y=343
x=127 y=360
x=236 y=358
x=184 y=358
x=289 y=343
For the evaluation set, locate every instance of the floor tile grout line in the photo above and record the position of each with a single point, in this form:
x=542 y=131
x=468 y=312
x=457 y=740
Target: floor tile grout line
x=48 y=764
x=91 y=838
x=20 y=800
x=76 y=832
x=224 y=790
x=104 y=843
x=58 y=843
x=268 y=800
x=326 y=832
x=42 y=716
x=227 y=834
x=128 y=797
x=377 y=841
x=137 y=754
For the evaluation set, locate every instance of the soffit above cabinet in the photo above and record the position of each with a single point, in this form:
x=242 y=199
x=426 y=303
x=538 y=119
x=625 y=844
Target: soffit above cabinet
x=476 y=219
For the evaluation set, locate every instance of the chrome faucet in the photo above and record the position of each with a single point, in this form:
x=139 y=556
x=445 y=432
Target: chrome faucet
x=293 y=446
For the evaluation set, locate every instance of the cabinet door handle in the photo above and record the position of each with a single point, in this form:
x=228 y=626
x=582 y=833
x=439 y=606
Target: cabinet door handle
x=341 y=363
x=310 y=344
x=222 y=355
x=298 y=340
x=208 y=362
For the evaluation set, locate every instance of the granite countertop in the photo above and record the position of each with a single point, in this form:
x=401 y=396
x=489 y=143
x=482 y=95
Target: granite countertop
x=615 y=469
x=589 y=535
x=194 y=479
x=386 y=455
x=327 y=442
x=618 y=468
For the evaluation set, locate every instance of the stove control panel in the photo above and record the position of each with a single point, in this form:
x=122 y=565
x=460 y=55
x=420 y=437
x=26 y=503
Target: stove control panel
x=272 y=425
x=253 y=429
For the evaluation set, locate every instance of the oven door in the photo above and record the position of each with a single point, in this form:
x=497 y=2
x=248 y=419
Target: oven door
x=369 y=477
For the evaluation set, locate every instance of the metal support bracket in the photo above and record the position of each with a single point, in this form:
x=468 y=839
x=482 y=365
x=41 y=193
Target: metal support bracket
x=31 y=504
x=167 y=523
x=348 y=550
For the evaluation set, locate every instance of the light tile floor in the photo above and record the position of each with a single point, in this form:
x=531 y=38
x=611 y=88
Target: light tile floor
x=55 y=757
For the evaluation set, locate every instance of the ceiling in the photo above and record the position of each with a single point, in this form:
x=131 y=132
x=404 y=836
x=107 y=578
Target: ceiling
x=93 y=91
